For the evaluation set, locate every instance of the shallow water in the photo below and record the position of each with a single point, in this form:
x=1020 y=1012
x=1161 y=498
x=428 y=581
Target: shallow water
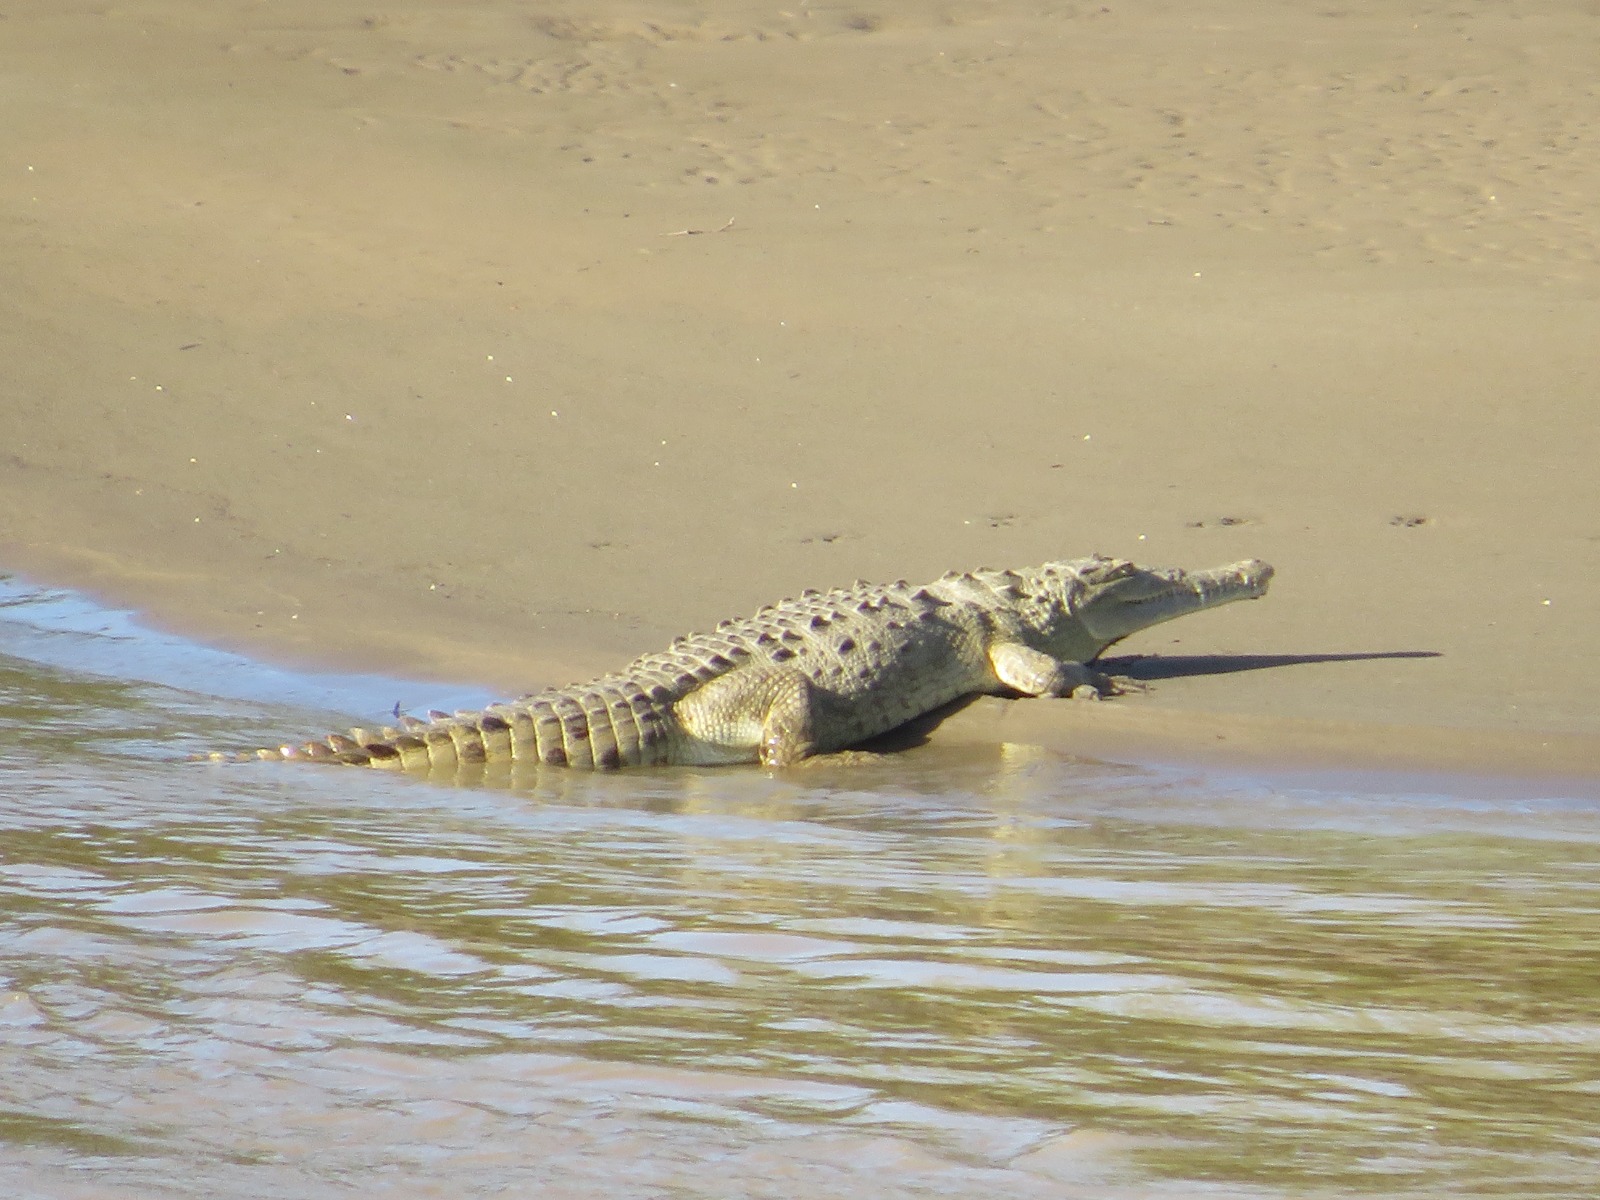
x=944 y=974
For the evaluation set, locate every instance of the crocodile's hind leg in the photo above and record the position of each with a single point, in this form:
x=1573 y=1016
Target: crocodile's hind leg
x=753 y=713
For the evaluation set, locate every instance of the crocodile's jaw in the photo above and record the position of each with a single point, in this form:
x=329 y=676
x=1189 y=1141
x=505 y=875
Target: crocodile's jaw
x=1120 y=598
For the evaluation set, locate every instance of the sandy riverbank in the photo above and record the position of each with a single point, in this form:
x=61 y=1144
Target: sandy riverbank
x=497 y=343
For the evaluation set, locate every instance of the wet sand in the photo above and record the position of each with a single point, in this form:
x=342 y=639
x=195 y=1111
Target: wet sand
x=496 y=344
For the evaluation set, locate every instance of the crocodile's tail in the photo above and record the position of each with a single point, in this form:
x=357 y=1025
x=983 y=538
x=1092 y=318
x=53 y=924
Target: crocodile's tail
x=601 y=727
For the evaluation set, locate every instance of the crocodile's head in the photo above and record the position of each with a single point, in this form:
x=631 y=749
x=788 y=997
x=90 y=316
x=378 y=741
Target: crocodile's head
x=1103 y=600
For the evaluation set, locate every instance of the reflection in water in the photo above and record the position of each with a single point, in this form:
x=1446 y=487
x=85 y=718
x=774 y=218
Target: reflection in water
x=942 y=974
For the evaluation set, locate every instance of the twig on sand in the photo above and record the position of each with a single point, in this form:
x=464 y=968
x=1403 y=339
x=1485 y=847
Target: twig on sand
x=696 y=232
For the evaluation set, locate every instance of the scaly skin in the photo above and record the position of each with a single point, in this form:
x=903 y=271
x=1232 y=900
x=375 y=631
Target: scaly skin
x=817 y=674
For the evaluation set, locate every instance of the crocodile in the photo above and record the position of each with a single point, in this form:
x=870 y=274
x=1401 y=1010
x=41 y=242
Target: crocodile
x=816 y=674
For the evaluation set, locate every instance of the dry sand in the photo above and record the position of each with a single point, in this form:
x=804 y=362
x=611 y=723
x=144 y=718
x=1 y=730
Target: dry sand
x=497 y=342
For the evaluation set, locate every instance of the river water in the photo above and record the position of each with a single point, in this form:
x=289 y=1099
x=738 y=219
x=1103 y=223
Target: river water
x=948 y=973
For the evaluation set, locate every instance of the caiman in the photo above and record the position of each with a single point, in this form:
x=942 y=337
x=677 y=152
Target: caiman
x=816 y=674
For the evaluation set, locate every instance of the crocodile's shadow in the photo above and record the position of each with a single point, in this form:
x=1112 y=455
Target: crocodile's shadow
x=1177 y=666
x=1143 y=668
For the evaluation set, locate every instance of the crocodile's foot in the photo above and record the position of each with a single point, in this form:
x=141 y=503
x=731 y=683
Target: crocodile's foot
x=1102 y=686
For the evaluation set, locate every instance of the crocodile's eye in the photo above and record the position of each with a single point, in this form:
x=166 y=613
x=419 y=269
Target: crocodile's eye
x=1112 y=569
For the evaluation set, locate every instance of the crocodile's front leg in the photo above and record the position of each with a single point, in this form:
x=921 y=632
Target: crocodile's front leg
x=753 y=713
x=1035 y=673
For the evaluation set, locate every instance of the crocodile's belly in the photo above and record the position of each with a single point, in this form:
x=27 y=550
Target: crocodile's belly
x=853 y=709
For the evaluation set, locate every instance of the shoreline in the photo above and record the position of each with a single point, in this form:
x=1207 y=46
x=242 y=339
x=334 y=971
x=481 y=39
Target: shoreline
x=1136 y=729
x=1497 y=759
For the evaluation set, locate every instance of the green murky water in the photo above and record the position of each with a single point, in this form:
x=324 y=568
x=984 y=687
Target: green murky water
x=945 y=974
